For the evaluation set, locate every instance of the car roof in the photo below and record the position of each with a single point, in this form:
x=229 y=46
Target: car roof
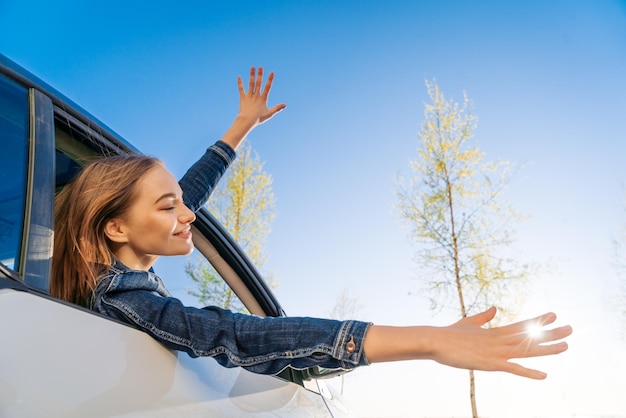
x=28 y=79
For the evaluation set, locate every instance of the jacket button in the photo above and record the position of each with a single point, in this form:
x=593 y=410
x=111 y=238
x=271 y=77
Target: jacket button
x=350 y=346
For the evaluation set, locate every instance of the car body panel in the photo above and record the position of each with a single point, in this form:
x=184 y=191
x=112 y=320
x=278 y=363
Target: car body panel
x=66 y=361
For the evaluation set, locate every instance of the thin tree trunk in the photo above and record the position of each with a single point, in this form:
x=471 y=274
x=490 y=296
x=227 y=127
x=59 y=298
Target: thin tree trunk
x=473 y=394
x=459 y=288
x=455 y=248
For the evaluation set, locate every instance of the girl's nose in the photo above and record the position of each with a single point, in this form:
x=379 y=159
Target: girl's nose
x=187 y=216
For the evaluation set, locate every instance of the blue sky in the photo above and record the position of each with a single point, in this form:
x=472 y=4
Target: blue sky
x=547 y=82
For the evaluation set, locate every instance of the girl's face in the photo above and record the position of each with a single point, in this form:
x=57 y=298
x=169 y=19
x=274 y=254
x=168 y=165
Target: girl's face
x=157 y=223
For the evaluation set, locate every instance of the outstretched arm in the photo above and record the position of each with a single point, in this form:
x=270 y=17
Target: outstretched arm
x=202 y=177
x=253 y=108
x=467 y=345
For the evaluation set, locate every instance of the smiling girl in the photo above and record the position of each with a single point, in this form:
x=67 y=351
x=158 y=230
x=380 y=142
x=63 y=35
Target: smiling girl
x=121 y=213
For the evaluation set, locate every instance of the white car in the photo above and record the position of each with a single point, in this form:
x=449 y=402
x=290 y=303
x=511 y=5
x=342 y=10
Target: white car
x=61 y=360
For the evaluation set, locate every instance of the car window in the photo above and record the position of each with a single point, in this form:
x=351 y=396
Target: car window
x=13 y=169
x=199 y=283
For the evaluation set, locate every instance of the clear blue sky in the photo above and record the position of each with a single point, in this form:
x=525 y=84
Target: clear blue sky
x=548 y=83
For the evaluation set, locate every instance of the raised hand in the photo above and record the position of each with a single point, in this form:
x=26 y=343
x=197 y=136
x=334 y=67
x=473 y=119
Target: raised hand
x=253 y=103
x=253 y=109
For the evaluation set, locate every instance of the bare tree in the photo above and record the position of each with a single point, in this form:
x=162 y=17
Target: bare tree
x=454 y=206
x=346 y=307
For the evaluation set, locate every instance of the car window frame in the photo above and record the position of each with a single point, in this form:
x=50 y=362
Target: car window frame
x=35 y=254
x=38 y=226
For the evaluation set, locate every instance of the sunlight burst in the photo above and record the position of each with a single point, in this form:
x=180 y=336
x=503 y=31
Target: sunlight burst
x=534 y=331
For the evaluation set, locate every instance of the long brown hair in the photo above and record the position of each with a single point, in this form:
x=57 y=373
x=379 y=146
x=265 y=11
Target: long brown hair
x=103 y=190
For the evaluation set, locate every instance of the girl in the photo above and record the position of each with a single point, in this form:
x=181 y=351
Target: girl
x=121 y=213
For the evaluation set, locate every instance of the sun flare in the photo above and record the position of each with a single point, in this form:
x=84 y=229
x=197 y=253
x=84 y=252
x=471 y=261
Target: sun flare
x=534 y=331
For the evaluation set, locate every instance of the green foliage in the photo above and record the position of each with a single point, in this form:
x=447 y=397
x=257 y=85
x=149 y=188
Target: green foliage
x=244 y=203
x=454 y=207
x=211 y=289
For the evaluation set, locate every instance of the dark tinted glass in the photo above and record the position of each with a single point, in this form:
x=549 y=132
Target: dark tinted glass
x=13 y=164
x=66 y=169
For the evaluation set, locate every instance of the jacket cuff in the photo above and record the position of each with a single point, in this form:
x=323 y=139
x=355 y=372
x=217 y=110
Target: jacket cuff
x=224 y=150
x=348 y=346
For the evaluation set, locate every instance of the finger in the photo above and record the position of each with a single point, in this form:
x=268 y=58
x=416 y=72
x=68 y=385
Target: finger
x=541 y=337
x=528 y=326
x=533 y=347
x=274 y=110
x=259 y=80
x=541 y=351
x=268 y=85
x=251 y=81
x=240 y=86
x=544 y=350
x=539 y=321
x=522 y=371
x=544 y=319
x=481 y=318
x=277 y=108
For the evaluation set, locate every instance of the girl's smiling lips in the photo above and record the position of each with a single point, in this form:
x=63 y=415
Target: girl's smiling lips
x=185 y=233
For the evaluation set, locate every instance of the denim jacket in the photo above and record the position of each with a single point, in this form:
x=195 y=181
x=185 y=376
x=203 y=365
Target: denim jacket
x=261 y=345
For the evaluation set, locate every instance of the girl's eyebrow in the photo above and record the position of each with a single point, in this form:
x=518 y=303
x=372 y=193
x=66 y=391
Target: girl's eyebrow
x=167 y=196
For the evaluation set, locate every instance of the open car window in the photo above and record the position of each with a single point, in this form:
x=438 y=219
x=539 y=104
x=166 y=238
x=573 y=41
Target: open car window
x=75 y=147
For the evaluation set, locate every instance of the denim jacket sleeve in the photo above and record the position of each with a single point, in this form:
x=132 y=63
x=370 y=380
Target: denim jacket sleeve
x=261 y=345
x=202 y=177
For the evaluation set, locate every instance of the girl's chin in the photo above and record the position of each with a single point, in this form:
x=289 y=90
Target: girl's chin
x=175 y=248
x=190 y=249
x=182 y=250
